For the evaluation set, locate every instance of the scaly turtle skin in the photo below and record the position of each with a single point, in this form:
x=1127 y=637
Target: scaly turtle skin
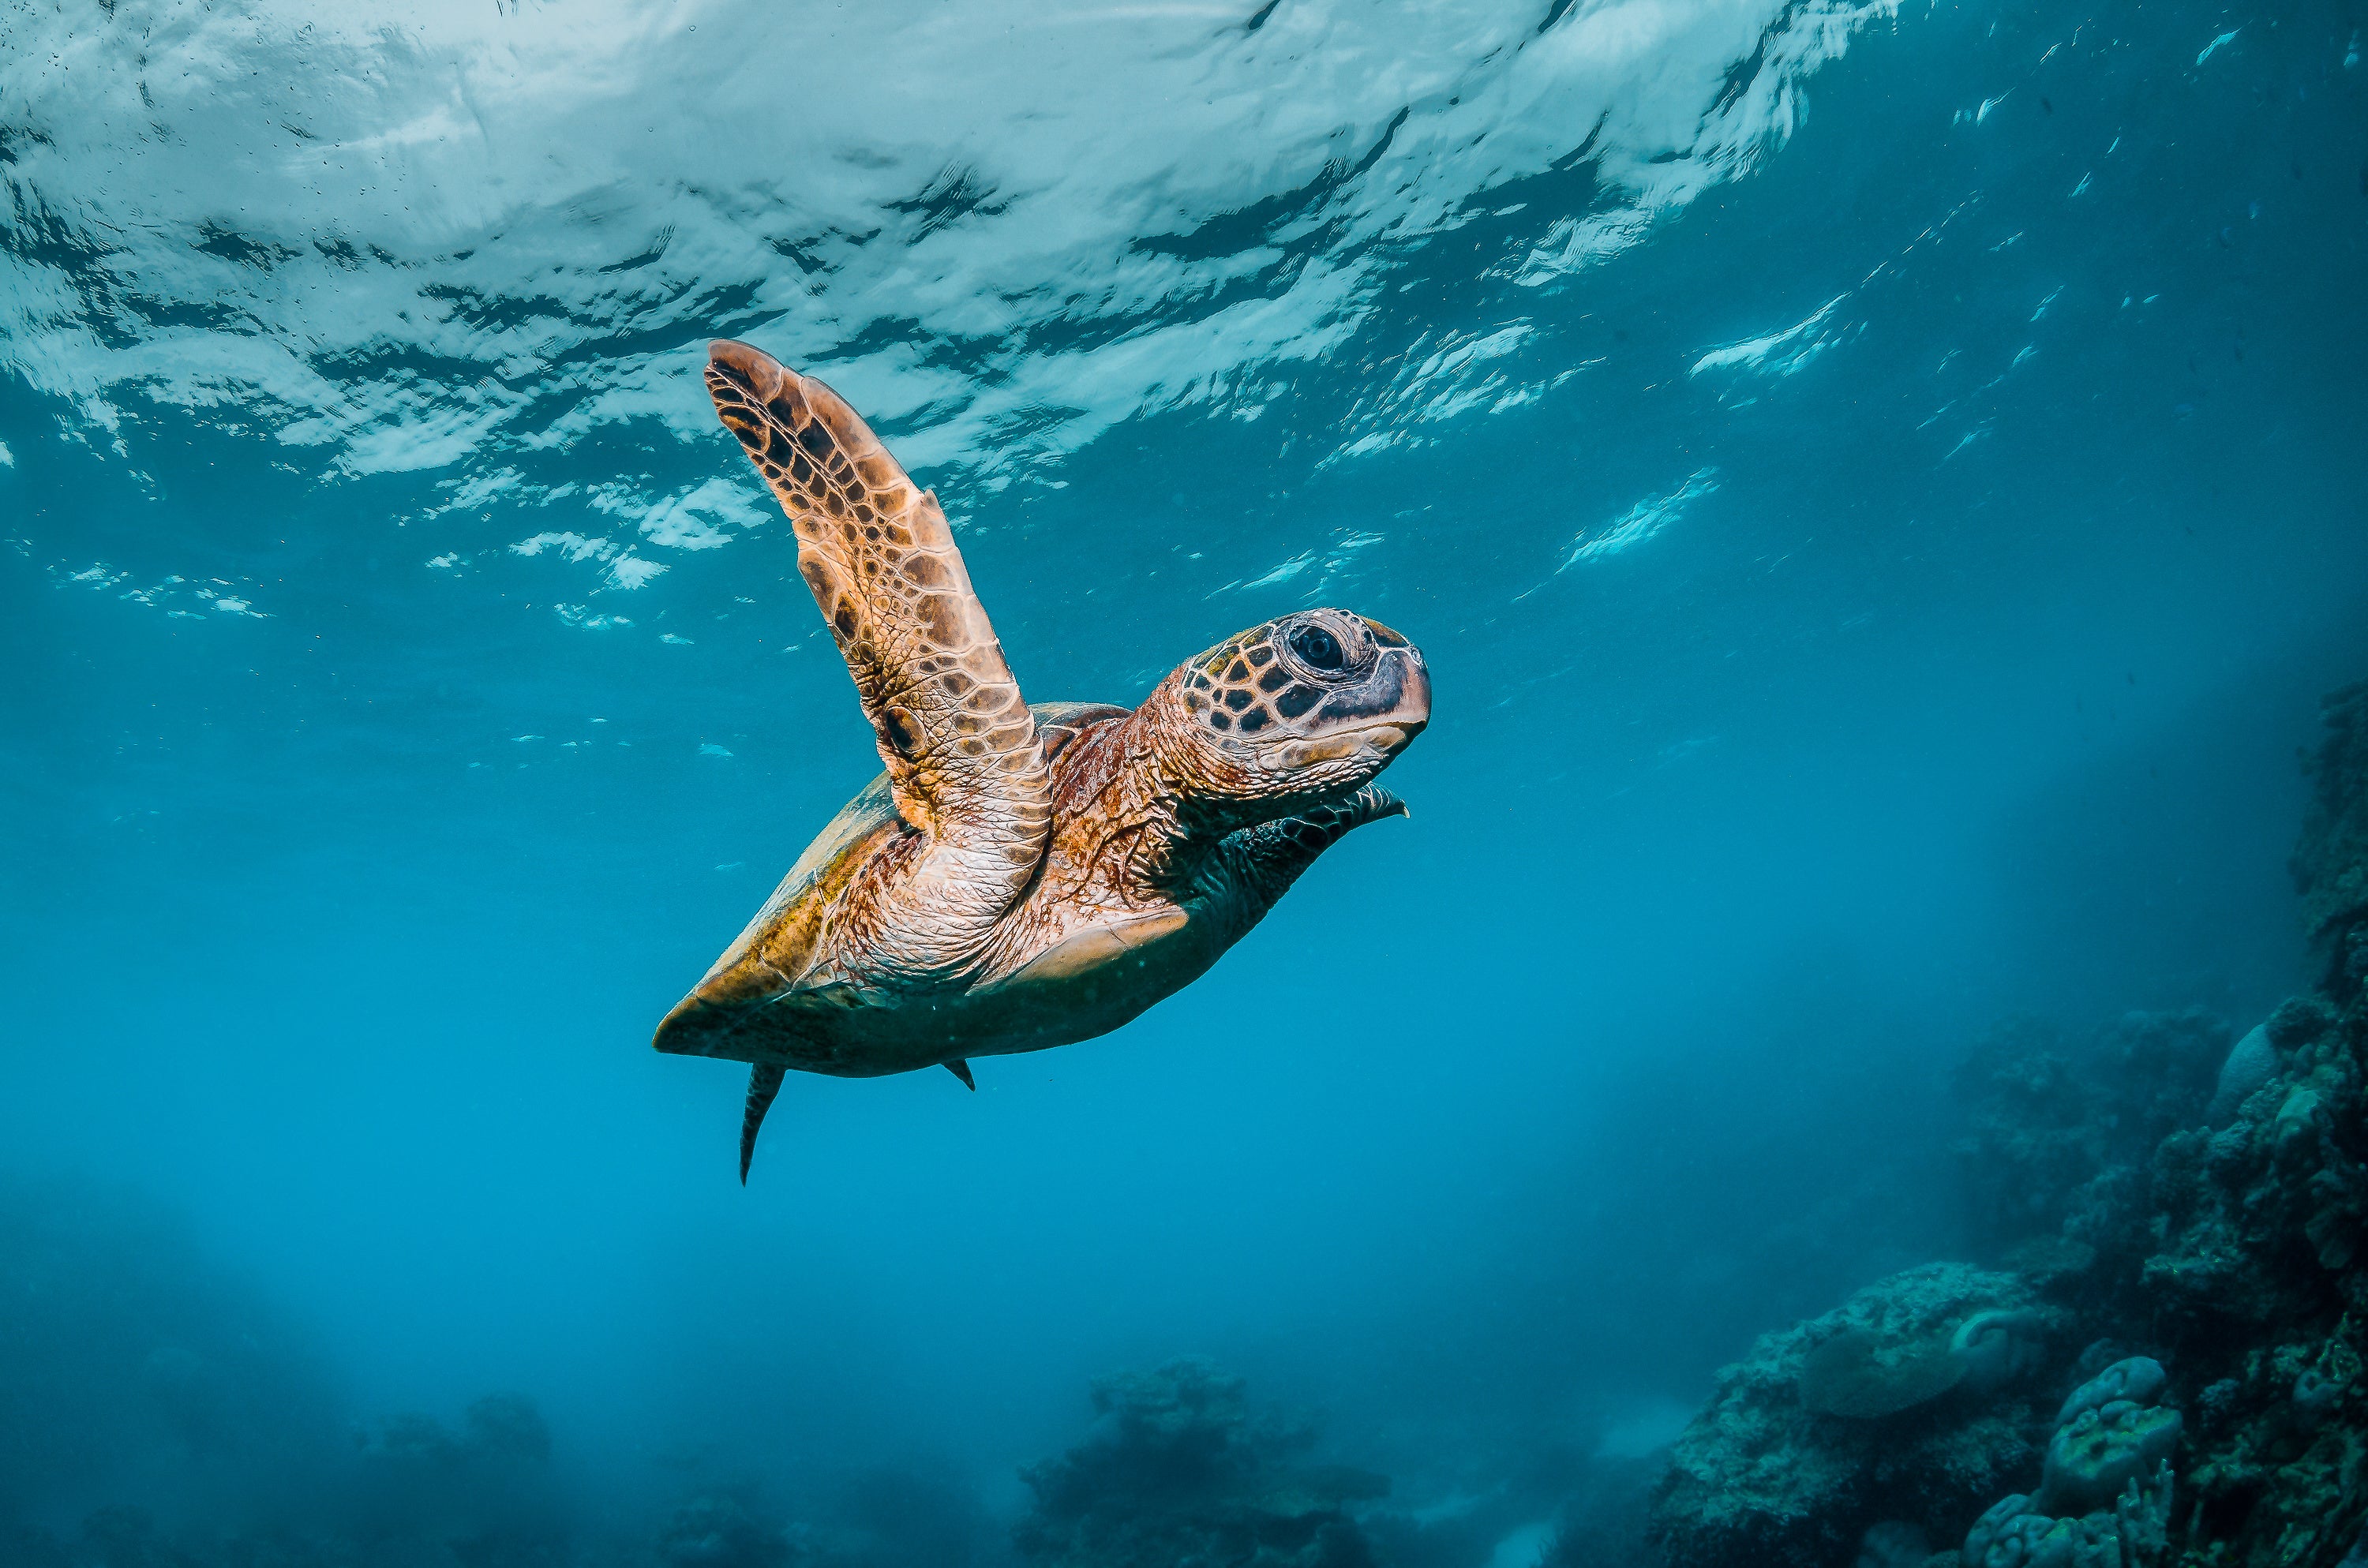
x=1019 y=877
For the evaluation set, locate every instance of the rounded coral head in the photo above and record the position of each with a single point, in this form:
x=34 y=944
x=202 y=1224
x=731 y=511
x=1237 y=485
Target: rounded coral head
x=2104 y=1449
x=1312 y=704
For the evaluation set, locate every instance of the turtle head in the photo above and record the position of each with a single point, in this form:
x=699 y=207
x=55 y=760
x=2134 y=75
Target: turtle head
x=1302 y=708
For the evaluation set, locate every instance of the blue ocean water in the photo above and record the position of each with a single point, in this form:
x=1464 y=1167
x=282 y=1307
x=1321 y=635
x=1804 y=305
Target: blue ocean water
x=1878 y=488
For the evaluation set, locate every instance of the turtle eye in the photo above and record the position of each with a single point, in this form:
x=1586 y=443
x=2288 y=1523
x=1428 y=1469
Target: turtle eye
x=1318 y=649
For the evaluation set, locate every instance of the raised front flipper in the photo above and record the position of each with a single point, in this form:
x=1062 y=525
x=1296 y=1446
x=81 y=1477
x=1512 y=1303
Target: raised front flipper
x=963 y=761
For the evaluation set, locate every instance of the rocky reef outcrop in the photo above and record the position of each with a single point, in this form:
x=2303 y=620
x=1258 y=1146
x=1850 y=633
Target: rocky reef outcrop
x=2330 y=863
x=2260 y=1284
x=1912 y=1403
x=2259 y=1276
x=1179 y=1472
x=2059 y=1132
x=2171 y=1218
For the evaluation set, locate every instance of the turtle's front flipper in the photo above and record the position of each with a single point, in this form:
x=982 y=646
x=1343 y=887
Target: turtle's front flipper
x=1257 y=864
x=764 y=1083
x=963 y=760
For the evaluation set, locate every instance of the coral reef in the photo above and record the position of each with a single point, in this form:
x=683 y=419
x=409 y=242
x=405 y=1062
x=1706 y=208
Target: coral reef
x=1179 y=1473
x=2137 y=1380
x=2053 y=1126
x=1860 y=1373
x=1606 y=1521
x=2260 y=1283
x=2252 y=1061
x=2236 y=1251
x=2106 y=1447
x=1865 y=1372
x=1855 y=1419
x=156 y=1412
x=1996 y=1347
x=2330 y=863
x=724 y=1530
x=2105 y=1497
x=2261 y=1275
x=1893 y=1544
x=2152 y=1184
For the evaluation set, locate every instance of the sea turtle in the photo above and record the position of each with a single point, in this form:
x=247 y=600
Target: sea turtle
x=1019 y=877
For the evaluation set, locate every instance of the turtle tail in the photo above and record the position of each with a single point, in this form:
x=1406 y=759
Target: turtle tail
x=764 y=1083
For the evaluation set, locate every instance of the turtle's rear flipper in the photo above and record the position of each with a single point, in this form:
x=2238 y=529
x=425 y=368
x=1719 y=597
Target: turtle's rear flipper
x=764 y=1083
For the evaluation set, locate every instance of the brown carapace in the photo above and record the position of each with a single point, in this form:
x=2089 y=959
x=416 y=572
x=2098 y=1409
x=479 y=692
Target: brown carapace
x=1019 y=877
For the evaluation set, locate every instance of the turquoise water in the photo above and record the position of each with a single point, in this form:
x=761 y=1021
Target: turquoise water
x=1879 y=491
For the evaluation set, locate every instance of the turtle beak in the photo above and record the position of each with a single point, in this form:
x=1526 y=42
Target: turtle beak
x=1411 y=714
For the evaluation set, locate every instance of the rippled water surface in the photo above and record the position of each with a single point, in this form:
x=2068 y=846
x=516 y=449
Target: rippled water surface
x=1879 y=487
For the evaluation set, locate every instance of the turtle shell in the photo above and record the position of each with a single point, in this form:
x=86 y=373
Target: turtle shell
x=773 y=958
